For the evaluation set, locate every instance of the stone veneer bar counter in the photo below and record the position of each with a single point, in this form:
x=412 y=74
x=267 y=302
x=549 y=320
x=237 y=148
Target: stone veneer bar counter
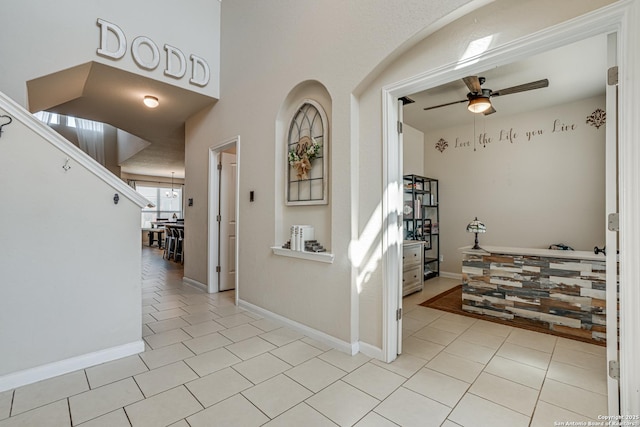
x=563 y=291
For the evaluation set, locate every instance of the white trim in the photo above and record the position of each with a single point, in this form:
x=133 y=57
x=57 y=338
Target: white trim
x=370 y=351
x=448 y=275
x=333 y=342
x=195 y=284
x=68 y=149
x=212 y=248
x=620 y=16
x=611 y=237
x=629 y=183
x=310 y=256
x=392 y=235
x=50 y=370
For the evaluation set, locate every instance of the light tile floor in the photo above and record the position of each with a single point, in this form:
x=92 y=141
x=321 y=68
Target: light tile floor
x=209 y=363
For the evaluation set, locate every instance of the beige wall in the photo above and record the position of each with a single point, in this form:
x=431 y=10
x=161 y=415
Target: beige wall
x=530 y=193
x=337 y=44
x=347 y=47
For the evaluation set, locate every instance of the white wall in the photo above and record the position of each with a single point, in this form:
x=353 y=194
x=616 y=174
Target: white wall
x=532 y=192
x=48 y=37
x=412 y=151
x=70 y=259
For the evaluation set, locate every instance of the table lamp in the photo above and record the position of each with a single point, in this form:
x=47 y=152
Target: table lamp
x=476 y=226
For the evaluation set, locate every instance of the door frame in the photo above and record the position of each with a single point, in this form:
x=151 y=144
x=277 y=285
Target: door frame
x=617 y=18
x=213 y=285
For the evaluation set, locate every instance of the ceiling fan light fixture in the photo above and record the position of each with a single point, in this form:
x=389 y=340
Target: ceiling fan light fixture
x=479 y=104
x=150 y=101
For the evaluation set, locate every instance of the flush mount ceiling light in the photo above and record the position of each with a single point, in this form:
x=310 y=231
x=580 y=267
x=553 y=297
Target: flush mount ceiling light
x=151 y=101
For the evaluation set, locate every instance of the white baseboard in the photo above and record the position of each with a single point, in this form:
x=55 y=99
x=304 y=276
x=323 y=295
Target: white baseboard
x=457 y=276
x=50 y=370
x=326 y=339
x=195 y=284
x=371 y=351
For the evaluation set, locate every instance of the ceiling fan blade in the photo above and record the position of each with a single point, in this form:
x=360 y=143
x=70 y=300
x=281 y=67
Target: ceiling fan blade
x=444 y=105
x=473 y=83
x=491 y=110
x=538 y=84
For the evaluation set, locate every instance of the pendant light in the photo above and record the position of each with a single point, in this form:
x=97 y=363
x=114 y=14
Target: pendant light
x=171 y=194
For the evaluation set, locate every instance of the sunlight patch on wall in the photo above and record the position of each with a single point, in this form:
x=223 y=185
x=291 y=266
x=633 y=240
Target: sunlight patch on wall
x=474 y=50
x=366 y=252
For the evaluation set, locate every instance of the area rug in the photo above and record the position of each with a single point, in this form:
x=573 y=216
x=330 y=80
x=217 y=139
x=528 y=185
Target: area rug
x=451 y=301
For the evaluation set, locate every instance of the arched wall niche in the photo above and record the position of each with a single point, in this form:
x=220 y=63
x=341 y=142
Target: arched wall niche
x=318 y=215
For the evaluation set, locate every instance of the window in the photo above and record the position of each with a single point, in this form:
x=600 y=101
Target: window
x=167 y=203
x=48 y=118
x=307 y=156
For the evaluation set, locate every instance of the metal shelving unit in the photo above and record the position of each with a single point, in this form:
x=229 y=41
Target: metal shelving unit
x=421 y=219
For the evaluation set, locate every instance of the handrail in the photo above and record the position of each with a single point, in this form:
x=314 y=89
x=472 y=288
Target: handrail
x=74 y=153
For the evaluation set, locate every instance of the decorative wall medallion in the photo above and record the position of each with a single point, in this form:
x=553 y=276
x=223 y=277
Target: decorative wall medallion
x=441 y=145
x=597 y=118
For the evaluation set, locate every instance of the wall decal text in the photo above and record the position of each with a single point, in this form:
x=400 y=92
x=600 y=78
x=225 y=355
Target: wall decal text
x=511 y=135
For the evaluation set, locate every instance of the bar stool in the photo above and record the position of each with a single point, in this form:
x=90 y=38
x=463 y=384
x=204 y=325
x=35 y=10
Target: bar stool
x=169 y=243
x=179 y=245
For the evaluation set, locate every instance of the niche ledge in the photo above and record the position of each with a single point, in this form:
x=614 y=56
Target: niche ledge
x=310 y=256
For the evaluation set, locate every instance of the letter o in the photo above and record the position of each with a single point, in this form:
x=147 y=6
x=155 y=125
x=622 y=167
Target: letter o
x=135 y=51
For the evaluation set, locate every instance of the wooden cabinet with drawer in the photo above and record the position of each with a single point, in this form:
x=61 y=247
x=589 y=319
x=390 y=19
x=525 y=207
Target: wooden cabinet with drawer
x=412 y=265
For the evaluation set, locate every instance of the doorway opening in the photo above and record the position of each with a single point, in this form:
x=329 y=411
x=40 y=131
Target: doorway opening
x=224 y=172
x=596 y=24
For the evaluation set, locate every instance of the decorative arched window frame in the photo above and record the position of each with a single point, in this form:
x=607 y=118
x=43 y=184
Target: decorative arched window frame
x=307 y=183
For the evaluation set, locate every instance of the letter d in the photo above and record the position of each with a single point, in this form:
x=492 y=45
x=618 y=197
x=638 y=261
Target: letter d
x=196 y=80
x=105 y=28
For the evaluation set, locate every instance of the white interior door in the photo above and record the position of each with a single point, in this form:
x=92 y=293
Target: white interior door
x=227 y=221
x=611 y=203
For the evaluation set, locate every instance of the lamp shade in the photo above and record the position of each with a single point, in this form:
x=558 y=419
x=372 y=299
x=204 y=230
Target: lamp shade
x=479 y=104
x=476 y=226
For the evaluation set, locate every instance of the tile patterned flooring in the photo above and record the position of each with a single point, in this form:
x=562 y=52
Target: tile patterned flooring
x=209 y=363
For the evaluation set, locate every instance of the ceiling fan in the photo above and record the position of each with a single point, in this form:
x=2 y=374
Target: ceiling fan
x=479 y=99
